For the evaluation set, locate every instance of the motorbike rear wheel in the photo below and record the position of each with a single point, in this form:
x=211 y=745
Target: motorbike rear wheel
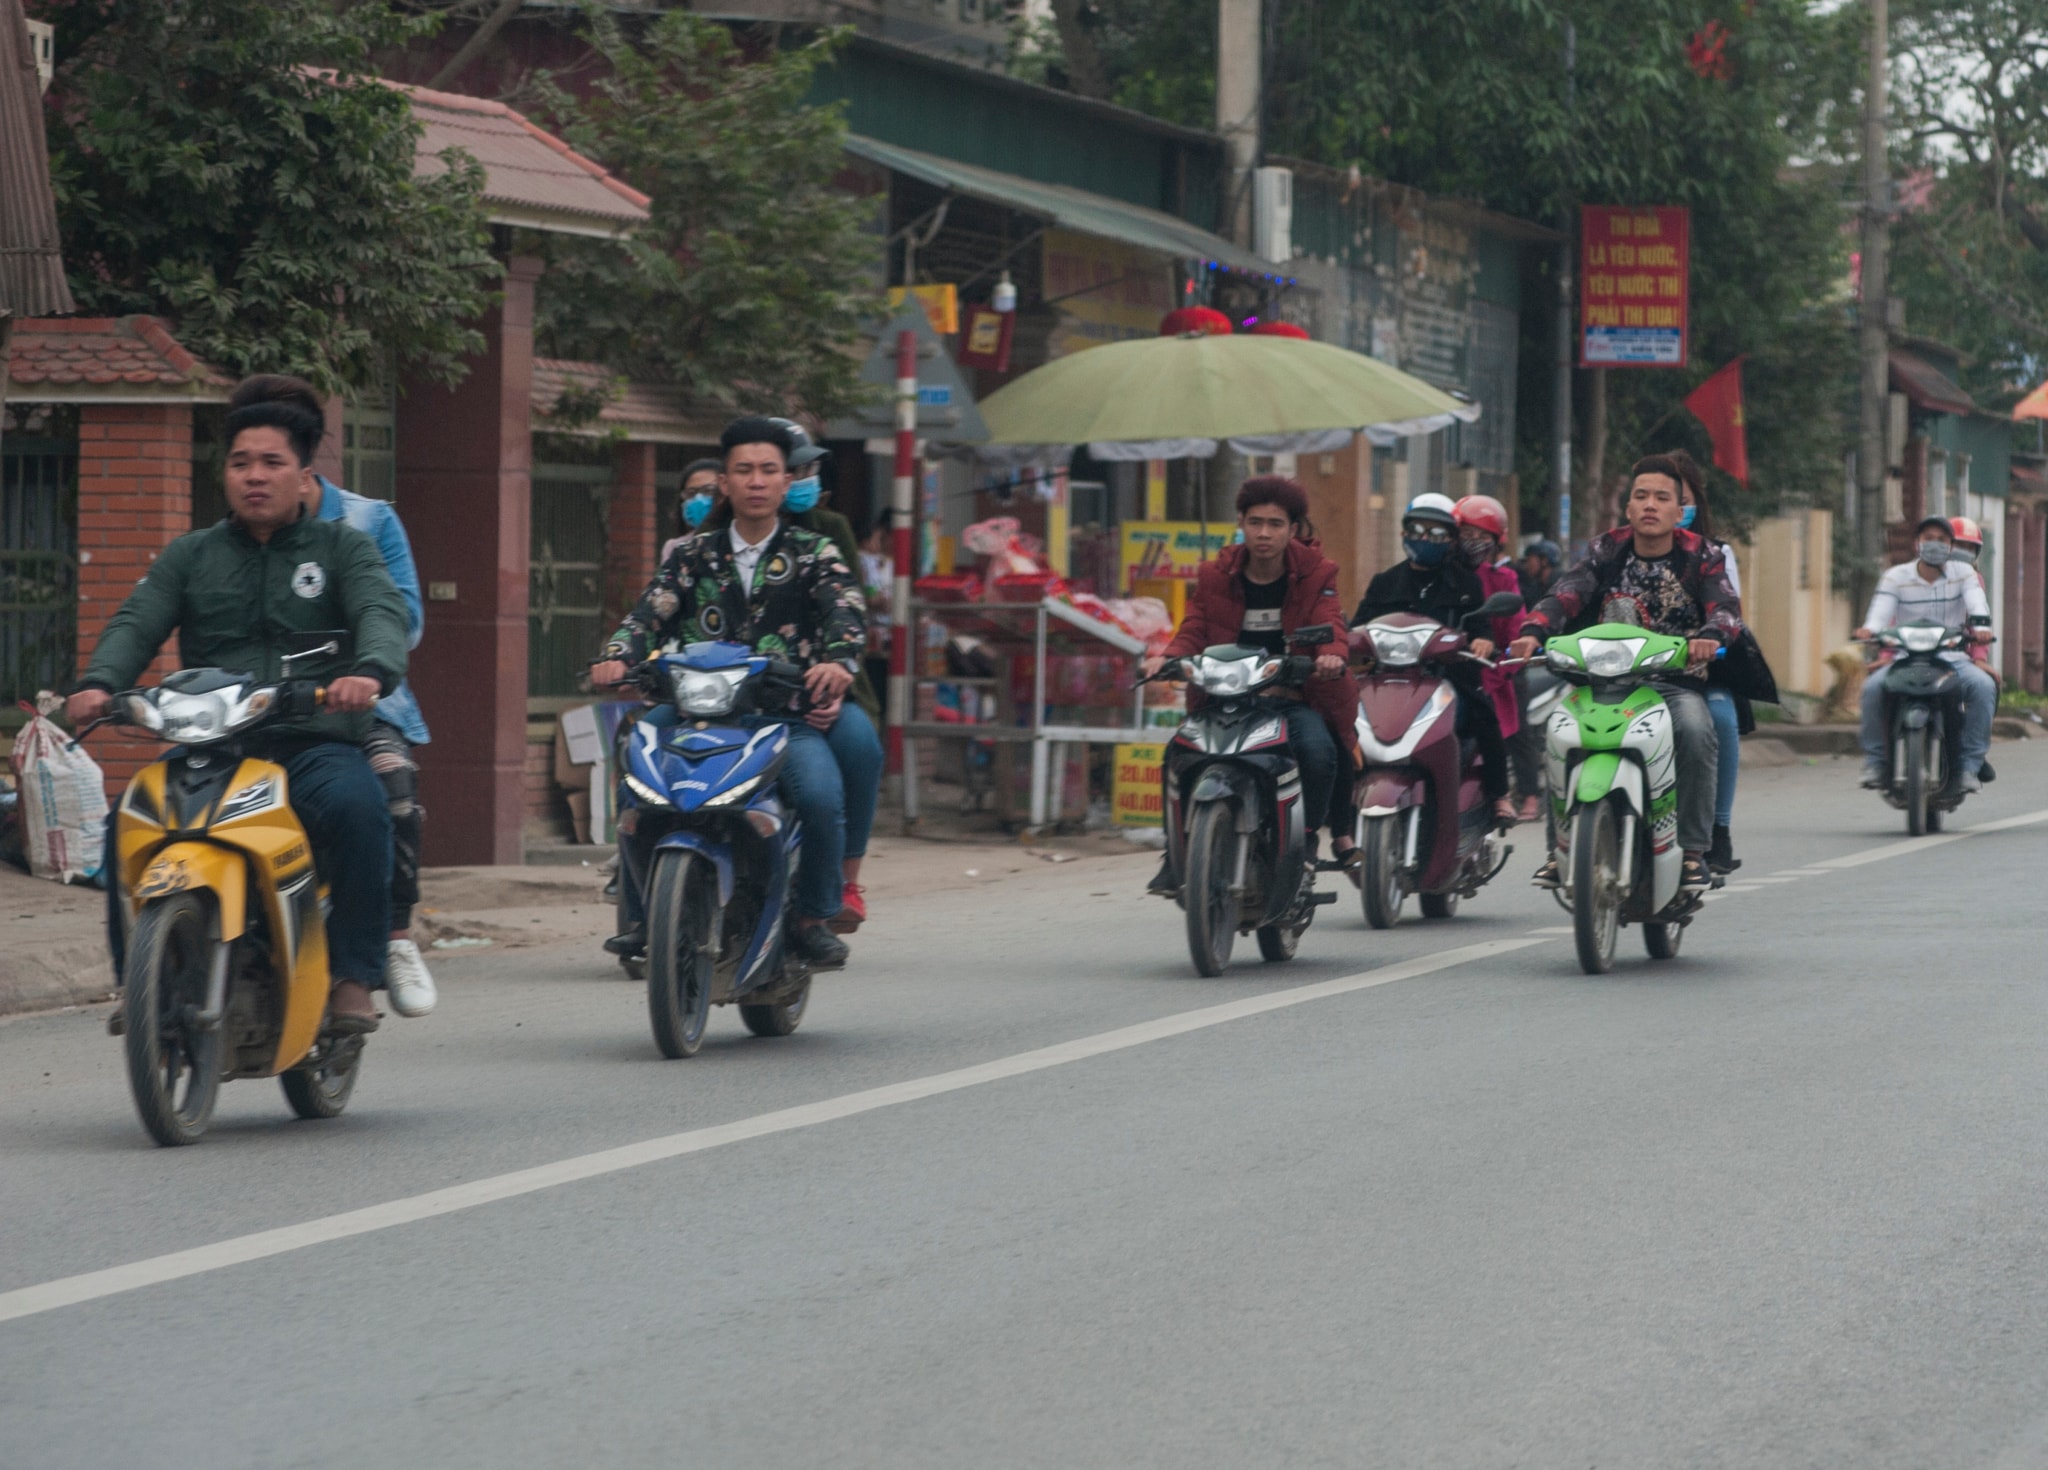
x=1211 y=906
x=322 y=1090
x=1661 y=940
x=1278 y=942
x=173 y=1068
x=682 y=898
x=1916 y=782
x=778 y=1017
x=1596 y=886
x=1380 y=886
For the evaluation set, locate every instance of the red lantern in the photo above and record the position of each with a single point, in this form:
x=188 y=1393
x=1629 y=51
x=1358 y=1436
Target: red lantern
x=1203 y=320
x=1280 y=329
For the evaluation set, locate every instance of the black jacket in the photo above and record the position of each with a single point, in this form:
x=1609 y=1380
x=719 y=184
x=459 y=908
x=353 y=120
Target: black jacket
x=1446 y=593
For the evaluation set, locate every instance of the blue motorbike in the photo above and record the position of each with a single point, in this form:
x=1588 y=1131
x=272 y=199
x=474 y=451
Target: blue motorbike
x=713 y=846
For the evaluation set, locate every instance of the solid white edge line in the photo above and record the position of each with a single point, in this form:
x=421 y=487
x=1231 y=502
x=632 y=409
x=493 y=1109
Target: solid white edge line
x=70 y=1291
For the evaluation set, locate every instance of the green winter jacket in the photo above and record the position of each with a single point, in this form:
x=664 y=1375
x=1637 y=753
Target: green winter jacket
x=240 y=604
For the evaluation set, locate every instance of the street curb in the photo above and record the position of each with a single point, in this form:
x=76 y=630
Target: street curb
x=64 y=975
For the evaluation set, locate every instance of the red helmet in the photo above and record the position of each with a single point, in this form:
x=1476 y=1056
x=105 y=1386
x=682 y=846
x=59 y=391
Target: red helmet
x=1965 y=532
x=1483 y=513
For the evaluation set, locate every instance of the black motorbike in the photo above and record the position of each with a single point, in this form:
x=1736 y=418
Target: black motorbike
x=1235 y=831
x=1923 y=722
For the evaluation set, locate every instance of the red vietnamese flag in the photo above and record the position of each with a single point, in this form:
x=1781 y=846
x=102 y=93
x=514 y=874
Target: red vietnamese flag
x=1717 y=403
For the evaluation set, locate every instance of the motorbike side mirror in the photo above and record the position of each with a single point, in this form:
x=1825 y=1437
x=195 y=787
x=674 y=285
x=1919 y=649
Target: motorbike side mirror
x=1315 y=635
x=1499 y=605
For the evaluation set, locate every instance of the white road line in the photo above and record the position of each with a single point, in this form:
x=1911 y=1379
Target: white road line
x=1922 y=844
x=1559 y=929
x=70 y=1291
x=1774 y=878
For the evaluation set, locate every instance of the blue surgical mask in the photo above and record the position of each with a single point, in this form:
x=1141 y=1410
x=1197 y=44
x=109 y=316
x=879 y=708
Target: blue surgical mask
x=803 y=494
x=1685 y=517
x=695 y=509
x=1427 y=553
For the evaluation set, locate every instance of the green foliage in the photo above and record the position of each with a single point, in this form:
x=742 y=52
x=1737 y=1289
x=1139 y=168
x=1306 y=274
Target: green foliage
x=1470 y=98
x=753 y=284
x=1971 y=256
x=203 y=170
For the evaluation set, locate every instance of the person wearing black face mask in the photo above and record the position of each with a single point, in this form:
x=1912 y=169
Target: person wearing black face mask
x=1436 y=583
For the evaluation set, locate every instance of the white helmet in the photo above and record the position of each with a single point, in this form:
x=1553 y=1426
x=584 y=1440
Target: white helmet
x=1432 y=507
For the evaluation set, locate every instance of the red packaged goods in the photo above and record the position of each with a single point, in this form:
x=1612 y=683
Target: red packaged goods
x=1029 y=587
x=950 y=587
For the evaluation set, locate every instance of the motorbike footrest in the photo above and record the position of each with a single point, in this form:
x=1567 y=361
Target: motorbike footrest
x=1318 y=899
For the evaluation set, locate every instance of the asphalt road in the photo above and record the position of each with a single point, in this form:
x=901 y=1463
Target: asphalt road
x=1024 y=1191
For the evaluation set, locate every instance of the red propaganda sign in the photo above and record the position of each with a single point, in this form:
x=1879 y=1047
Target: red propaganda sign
x=985 y=342
x=1633 y=264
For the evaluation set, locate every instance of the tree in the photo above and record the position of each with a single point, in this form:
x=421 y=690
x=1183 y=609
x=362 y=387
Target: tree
x=1470 y=98
x=753 y=284
x=203 y=169
x=1971 y=100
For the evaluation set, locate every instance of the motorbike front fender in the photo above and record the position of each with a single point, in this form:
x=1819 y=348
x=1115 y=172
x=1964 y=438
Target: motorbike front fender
x=1604 y=772
x=1384 y=792
x=714 y=852
x=1914 y=717
x=182 y=866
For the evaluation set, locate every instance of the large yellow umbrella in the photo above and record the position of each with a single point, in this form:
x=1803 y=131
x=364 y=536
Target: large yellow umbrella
x=1141 y=399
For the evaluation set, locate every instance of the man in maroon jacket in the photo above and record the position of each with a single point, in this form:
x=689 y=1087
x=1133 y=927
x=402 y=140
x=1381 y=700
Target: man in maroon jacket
x=1259 y=593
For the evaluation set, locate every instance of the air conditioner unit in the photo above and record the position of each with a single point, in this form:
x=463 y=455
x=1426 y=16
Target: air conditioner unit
x=42 y=44
x=1273 y=213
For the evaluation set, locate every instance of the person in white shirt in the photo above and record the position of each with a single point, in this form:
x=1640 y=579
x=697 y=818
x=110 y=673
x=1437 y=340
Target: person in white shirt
x=1937 y=587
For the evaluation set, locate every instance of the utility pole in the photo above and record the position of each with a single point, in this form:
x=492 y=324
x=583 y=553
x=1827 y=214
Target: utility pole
x=1873 y=310
x=1240 y=118
x=1561 y=396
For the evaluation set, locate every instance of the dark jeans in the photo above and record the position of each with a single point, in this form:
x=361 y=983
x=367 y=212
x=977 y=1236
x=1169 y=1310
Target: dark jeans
x=1525 y=748
x=1308 y=735
x=390 y=757
x=831 y=779
x=1476 y=718
x=342 y=807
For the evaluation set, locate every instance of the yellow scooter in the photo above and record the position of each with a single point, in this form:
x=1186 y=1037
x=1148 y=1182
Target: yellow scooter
x=226 y=972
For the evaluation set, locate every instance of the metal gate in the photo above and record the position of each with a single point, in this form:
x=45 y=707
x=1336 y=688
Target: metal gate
x=38 y=564
x=565 y=597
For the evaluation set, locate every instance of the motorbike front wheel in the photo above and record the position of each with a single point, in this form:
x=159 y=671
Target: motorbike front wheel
x=1380 y=885
x=1211 y=906
x=1916 y=782
x=682 y=900
x=1596 y=886
x=173 y=1067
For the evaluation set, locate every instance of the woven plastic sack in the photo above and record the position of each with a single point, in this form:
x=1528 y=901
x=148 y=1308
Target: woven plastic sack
x=63 y=803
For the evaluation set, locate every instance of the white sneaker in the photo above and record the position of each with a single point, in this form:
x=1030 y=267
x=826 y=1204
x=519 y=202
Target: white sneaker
x=407 y=980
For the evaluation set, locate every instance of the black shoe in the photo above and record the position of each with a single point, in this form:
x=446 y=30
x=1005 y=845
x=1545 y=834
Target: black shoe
x=1985 y=773
x=1546 y=876
x=824 y=949
x=1695 y=876
x=627 y=945
x=1721 y=856
x=1163 y=882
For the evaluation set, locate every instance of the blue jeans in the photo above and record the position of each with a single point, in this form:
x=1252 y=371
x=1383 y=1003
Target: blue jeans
x=837 y=808
x=858 y=749
x=341 y=805
x=1721 y=705
x=1980 y=703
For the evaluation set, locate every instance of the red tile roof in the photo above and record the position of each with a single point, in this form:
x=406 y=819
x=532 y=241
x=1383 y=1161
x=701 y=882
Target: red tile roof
x=531 y=177
x=649 y=412
x=54 y=359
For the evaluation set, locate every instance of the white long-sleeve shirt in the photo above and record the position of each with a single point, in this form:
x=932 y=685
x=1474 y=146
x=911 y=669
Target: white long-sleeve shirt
x=1904 y=596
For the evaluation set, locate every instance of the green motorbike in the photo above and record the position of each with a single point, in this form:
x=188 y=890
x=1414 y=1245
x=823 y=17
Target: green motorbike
x=1611 y=757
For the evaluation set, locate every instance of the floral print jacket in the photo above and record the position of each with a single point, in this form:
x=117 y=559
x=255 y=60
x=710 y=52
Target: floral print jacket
x=805 y=604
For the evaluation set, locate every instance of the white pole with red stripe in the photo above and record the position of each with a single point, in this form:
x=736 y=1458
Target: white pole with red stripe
x=903 y=499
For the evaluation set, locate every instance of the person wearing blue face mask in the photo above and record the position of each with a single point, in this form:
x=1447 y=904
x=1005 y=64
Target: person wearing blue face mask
x=1436 y=583
x=700 y=494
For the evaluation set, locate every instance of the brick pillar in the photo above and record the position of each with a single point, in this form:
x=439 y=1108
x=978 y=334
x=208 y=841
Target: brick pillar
x=134 y=499
x=464 y=460
x=632 y=532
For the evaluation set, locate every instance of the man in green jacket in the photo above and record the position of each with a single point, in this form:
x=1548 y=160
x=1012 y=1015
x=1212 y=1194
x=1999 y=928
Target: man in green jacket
x=271 y=580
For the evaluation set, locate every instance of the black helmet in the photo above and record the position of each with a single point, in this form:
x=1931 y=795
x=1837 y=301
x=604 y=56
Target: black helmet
x=803 y=451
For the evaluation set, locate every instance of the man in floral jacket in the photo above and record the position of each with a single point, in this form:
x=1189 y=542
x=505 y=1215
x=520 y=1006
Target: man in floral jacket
x=788 y=593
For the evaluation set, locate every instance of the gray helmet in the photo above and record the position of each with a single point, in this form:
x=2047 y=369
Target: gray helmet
x=804 y=451
x=1545 y=549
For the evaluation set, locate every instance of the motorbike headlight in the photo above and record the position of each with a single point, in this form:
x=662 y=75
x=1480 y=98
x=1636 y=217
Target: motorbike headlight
x=1223 y=675
x=739 y=793
x=1609 y=658
x=1397 y=648
x=141 y=710
x=645 y=792
x=1561 y=656
x=192 y=719
x=707 y=692
x=1658 y=660
x=1921 y=640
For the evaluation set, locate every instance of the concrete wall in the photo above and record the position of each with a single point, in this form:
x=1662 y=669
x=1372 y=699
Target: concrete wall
x=1788 y=602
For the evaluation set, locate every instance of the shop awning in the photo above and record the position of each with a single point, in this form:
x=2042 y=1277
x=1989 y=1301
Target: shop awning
x=1067 y=207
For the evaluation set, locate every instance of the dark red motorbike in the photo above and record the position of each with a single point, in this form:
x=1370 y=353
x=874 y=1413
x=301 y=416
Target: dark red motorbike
x=1424 y=823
